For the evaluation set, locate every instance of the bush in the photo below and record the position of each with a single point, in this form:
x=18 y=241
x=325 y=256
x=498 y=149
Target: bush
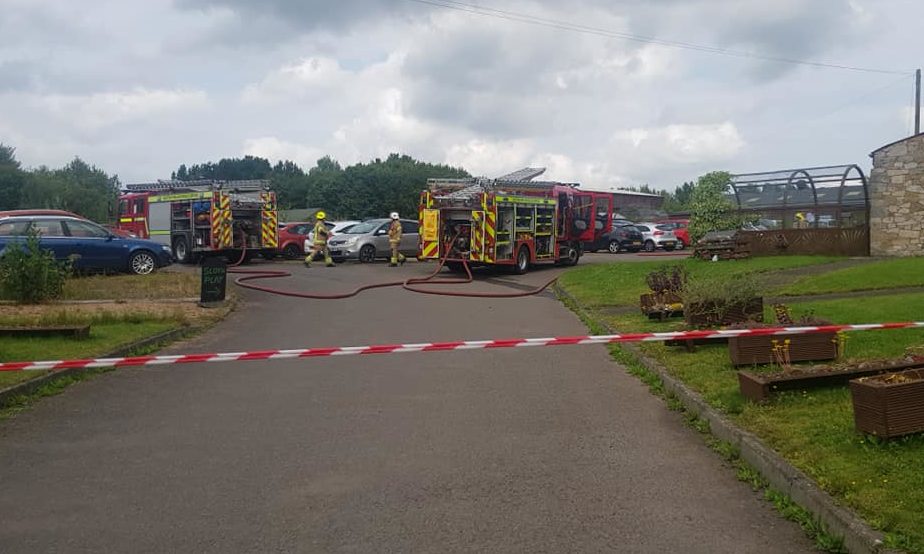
x=667 y=279
x=30 y=275
x=716 y=299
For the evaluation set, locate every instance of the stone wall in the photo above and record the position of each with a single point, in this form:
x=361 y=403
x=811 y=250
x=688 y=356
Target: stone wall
x=897 y=199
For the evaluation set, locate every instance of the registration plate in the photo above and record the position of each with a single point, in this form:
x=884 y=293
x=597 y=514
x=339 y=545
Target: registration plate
x=636 y=243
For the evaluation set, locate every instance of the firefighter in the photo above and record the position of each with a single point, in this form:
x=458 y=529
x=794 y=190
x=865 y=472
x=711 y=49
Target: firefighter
x=321 y=235
x=394 y=239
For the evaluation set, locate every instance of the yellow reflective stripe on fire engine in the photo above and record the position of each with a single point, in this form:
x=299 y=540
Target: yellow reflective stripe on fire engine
x=268 y=215
x=125 y=220
x=477 y=245
x=180 y=196
x=431 y=249
x=160 y=233
x=489 y=231
x=526 y=200
x=431 y=225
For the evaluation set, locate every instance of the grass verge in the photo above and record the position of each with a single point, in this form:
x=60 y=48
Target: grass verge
x=157 y=285
x=622 y=283
x=884 y=274
x=104 y=337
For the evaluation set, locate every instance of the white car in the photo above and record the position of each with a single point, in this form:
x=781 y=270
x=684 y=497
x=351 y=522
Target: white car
x=657 y=235
x=334 y=227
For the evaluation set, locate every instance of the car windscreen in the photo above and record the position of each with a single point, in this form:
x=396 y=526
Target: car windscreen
x=363 y=228
x=665 y=227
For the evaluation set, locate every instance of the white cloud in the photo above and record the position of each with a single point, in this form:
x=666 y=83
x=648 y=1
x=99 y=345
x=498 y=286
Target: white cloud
x=311 y=77
x=96 y=111
x=680 y=144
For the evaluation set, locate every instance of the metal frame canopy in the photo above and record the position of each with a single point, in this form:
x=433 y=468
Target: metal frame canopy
x=831 y=196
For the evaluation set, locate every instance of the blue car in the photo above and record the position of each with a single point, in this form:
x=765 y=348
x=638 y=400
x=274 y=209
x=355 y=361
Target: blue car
x=90 y=246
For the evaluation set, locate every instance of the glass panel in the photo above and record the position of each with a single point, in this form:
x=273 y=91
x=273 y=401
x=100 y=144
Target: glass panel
x=48 y=228
x=84 y=229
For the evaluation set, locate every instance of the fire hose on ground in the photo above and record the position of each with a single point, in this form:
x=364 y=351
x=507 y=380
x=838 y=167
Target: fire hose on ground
x=413 y=284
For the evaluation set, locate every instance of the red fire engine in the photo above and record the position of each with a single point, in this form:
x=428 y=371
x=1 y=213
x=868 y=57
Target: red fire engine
x=512 y=221
x=203 y=217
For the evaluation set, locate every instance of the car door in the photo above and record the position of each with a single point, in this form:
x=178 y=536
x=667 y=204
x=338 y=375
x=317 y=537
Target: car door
x=96 y=246
x=409 y=237
x=52 y=237
x=380 y=238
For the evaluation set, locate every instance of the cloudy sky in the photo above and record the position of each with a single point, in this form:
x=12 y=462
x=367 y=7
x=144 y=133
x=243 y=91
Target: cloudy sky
x=139 y=86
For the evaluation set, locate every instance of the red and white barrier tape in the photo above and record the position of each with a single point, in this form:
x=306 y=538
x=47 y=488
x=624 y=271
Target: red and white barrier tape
x=441 y=346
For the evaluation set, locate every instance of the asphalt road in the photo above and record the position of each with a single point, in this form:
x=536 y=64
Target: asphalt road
x=530 y=450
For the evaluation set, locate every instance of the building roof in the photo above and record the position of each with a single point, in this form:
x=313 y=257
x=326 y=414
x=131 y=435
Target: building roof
x=919 y=135
x=614 y=190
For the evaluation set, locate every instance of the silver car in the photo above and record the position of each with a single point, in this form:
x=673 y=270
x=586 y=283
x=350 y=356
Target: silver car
x=657 y=235
x=368 y=240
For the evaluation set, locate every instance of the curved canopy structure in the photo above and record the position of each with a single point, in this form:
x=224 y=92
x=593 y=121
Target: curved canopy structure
x=828 y=196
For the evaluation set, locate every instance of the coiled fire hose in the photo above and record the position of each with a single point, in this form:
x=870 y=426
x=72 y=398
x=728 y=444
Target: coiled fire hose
x=414 y=284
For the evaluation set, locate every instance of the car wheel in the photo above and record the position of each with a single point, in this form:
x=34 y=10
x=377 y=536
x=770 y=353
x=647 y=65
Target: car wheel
x=292 y=251
x=141 y=263
x=650 y=246
x=613 y=247
x=522 y=265
x=367 y=254
x=181 y=251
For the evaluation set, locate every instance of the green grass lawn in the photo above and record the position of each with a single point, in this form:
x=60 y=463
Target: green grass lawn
x=621 y=283
x=814 y=429
x=104 y=338
x=884 y=274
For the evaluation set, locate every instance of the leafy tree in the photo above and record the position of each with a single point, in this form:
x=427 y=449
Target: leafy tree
x=12 y=178
x=227 y=169
x=77 y=187
x=679 y=200
x=710 y=209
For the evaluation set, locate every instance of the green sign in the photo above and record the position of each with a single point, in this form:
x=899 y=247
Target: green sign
x=214 y=280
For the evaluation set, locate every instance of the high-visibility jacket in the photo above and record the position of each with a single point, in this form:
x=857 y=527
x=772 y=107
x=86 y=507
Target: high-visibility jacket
x=320 y=233
x=394 y=231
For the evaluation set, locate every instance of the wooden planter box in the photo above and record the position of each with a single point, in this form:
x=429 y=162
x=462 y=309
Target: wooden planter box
x=705 y=314
x=759 y=387
x=72 y=331
x=758 y=349
x=653 y=305
x=889 y=409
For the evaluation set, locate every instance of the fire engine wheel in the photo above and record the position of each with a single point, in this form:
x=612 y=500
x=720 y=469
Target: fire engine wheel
x=141 y=263
x=574 y=254
x=650 y=246
x=181 y=251
x=613 y=247
x=292 y=251
x=367 y=254
x=522 y=261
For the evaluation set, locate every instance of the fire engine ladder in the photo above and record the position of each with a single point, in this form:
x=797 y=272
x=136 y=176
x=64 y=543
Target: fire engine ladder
x=201 y=185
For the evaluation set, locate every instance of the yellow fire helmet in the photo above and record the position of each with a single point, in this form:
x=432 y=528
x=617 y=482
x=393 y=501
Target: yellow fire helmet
x=320 y=215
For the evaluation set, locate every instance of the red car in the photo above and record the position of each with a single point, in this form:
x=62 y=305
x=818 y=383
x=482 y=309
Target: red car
x=292 y=239
x=680 y=230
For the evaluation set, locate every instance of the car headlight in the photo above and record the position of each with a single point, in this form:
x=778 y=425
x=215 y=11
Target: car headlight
x=165 y=248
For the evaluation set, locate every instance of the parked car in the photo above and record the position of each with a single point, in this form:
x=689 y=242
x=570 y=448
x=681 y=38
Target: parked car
x=91 y=247
x=657 y=235
x=333 y=226
x=680 y=230
x=292 y=239
x=368 y=240
x=619 y=222
x=624 y=237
